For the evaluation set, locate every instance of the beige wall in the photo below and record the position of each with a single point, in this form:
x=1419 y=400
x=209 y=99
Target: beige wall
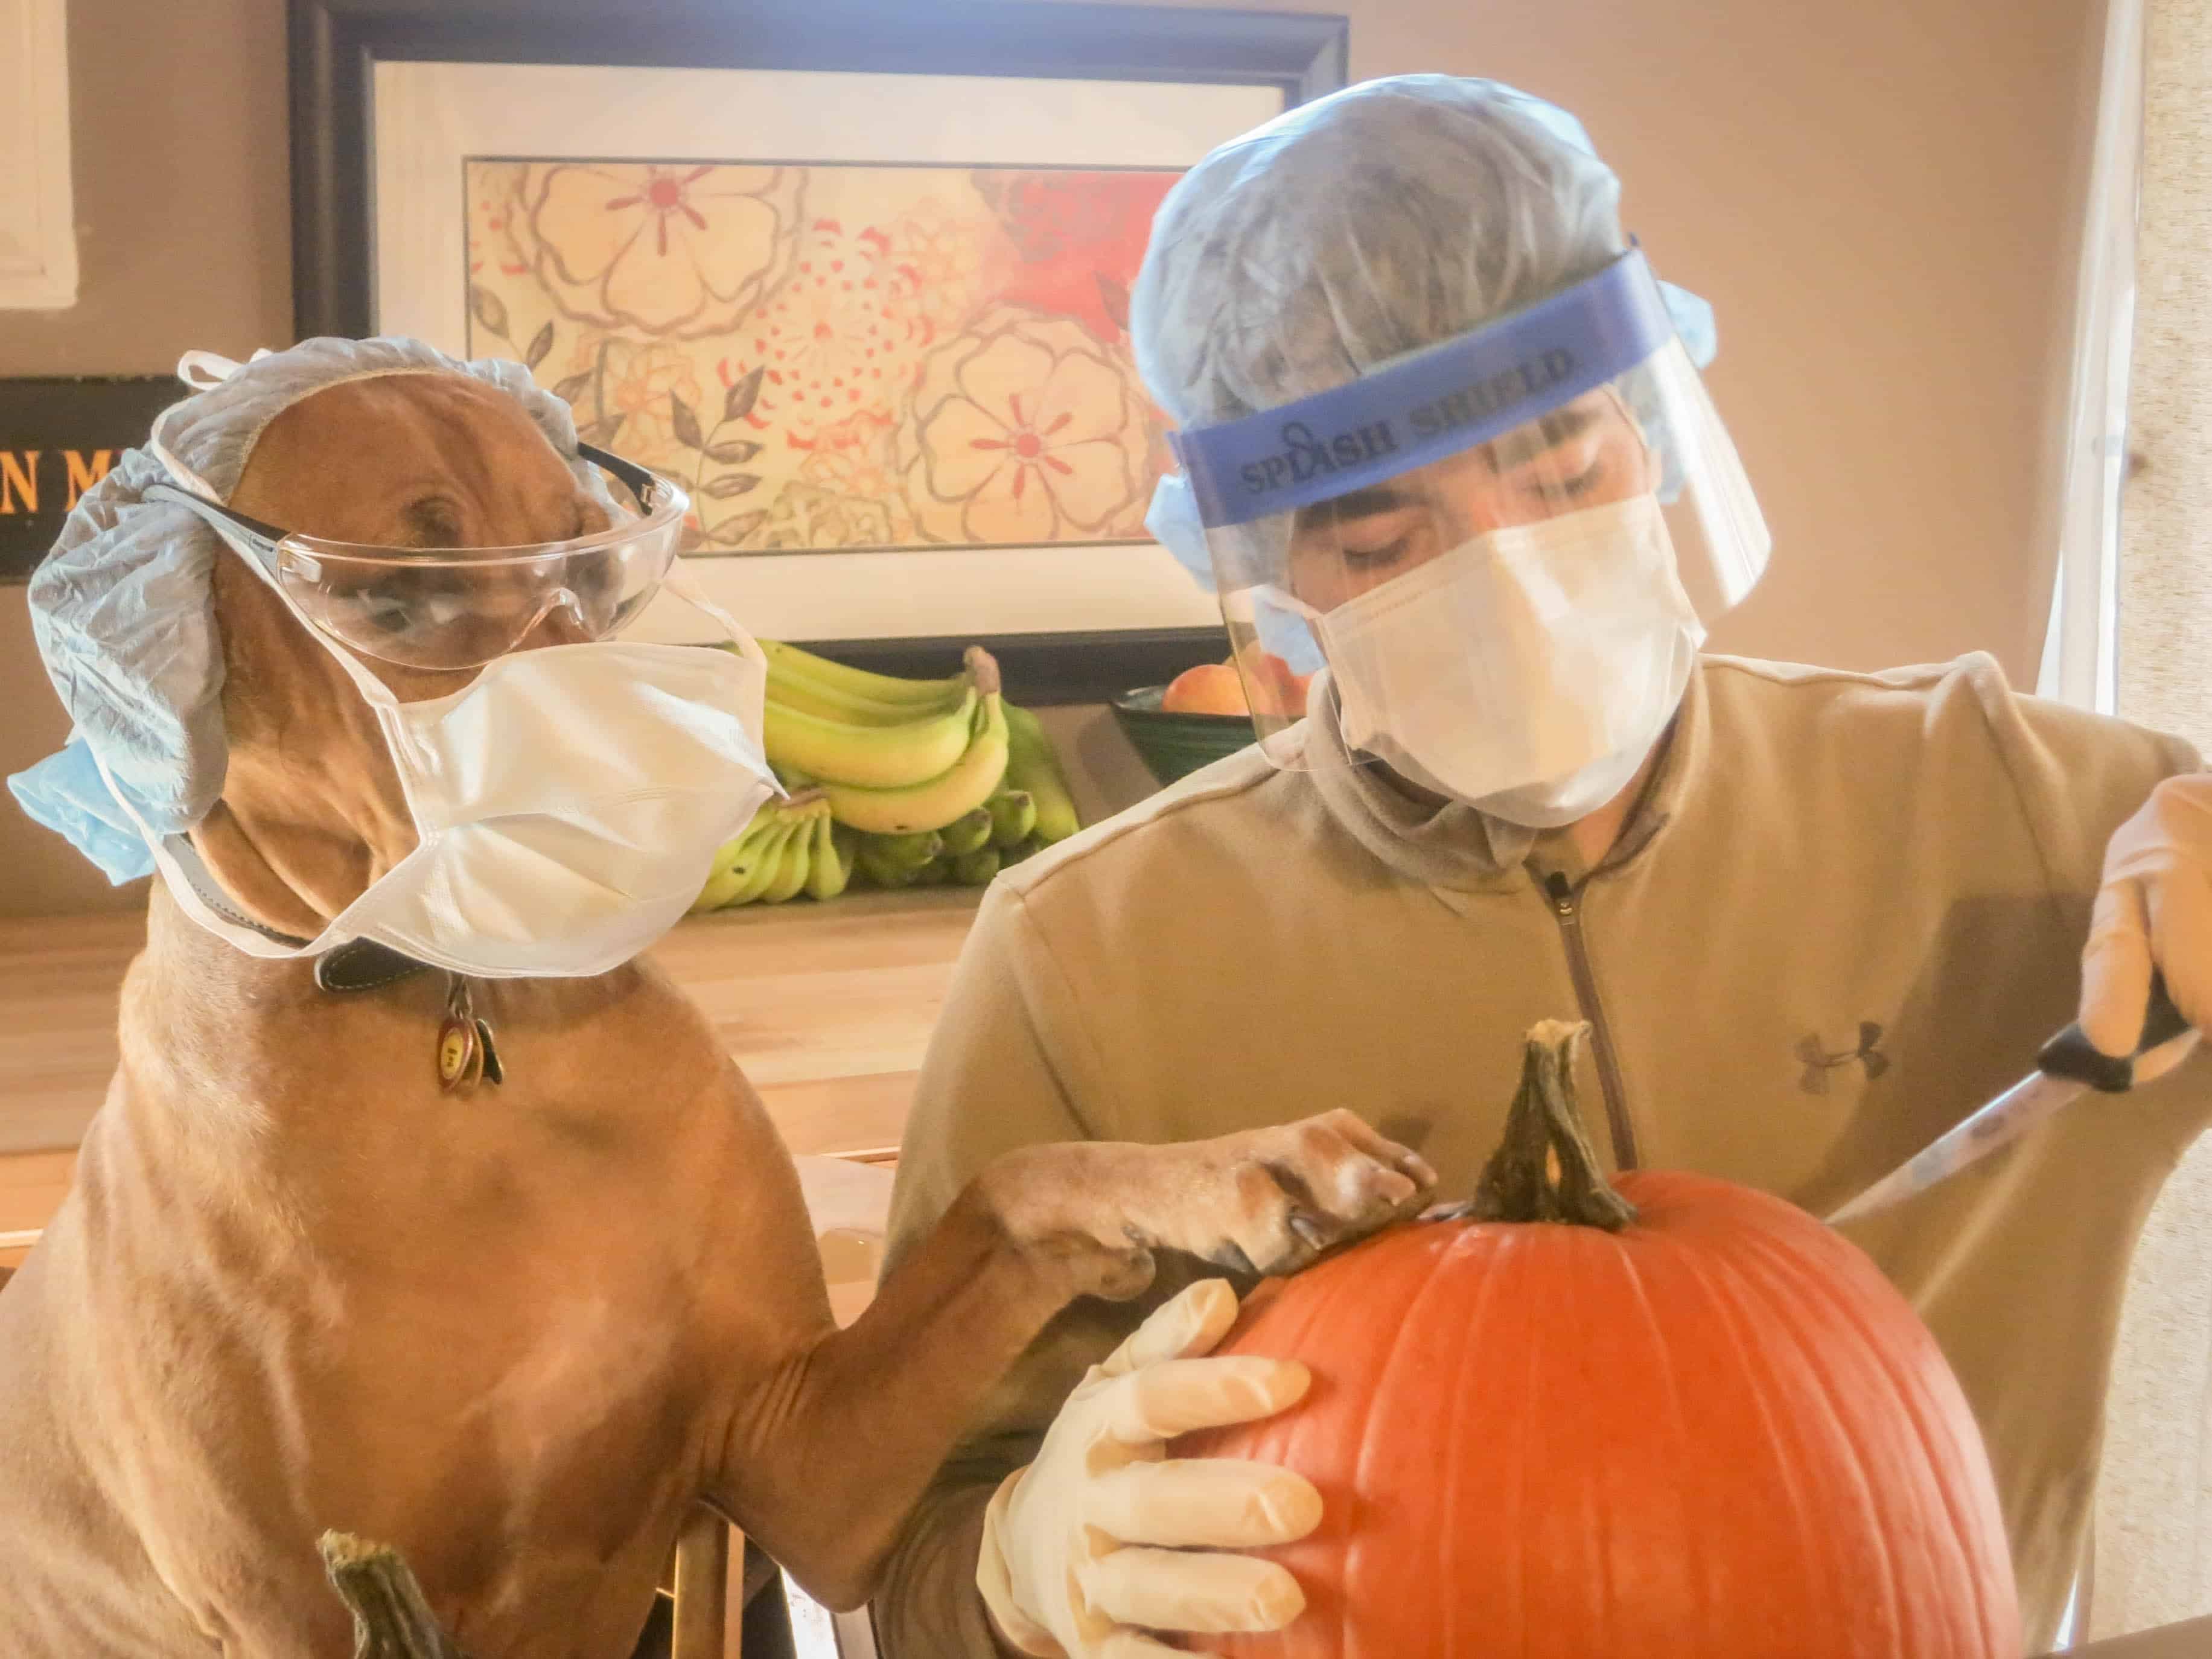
x=184 y=225
x=1878 y=197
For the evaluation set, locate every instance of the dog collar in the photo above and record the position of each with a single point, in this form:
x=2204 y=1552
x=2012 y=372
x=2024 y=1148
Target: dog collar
x=362 y=964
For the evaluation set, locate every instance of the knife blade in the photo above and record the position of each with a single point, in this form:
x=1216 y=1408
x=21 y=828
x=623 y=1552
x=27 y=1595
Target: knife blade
x=2069 y=1066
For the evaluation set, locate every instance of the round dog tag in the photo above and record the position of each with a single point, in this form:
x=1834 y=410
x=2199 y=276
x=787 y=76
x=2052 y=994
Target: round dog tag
x=459 y=1056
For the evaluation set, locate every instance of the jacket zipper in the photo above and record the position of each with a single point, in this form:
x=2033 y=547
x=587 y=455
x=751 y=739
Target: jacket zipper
x=1568 y=911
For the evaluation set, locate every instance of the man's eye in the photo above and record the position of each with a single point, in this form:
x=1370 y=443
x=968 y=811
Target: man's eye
x=1581 y=484
x=1374 y=558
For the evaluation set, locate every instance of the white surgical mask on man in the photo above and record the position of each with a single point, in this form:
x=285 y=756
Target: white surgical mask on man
x=1528 y=672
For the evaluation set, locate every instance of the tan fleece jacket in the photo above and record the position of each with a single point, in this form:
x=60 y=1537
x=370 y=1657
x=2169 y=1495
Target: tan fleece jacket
x=1849 y=909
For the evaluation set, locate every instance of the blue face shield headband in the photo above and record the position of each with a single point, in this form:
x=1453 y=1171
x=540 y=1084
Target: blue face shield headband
x=1436 y=403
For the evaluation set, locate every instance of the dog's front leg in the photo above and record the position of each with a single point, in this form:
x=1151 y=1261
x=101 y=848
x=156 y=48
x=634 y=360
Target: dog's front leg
x=832 y=1454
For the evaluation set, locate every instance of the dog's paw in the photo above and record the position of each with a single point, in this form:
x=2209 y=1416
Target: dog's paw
x=1271 y=1200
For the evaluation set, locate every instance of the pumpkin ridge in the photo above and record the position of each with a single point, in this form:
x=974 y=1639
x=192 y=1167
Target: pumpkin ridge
x=1354 y=1556
x=1819 y=1387
x=1697 y=1570
x=1918 y=1391
x=1449 y=1536
x=1708 y=1274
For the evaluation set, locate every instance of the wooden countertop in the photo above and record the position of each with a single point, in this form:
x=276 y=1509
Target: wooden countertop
x=826 y=1007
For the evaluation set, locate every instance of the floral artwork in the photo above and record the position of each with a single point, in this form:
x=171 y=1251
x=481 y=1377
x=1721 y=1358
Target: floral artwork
x=837 y=356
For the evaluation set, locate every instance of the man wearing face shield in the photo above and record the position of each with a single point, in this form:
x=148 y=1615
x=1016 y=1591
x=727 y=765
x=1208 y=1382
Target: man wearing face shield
x=1443 y=439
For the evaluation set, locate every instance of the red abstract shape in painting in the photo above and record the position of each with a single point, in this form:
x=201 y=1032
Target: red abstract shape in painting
x=1077 y=239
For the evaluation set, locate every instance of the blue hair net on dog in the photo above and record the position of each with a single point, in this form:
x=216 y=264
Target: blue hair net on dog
x=123 y=608
x=1348 y=231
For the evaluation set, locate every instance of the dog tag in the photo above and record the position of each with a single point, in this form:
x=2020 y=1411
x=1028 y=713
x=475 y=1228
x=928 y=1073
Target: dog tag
x=460 y=1055
x=488 y=1053
x=460 y=1059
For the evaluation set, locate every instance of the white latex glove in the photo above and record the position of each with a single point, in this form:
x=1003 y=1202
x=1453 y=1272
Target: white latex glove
x=2154 y=909
x=1092 y=1544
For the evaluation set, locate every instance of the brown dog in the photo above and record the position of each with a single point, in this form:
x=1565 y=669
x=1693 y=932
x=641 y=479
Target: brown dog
x=519 y=1334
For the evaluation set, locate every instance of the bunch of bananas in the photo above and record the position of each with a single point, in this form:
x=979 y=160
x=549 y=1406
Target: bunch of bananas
x=903 y=783
x=791 y=846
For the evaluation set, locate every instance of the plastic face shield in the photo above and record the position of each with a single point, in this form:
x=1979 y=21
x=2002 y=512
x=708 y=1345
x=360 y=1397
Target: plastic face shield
x=1445 y=481
x=458 y=608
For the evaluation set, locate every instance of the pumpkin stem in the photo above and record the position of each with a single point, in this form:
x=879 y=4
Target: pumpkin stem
x=1545 y=1168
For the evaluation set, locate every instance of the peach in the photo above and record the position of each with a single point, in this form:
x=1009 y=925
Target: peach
x=1212 y=688
x=1277 y=691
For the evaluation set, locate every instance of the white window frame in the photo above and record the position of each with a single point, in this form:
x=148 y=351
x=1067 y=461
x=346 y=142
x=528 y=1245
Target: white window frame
x=38 y=231
x=2081 y=648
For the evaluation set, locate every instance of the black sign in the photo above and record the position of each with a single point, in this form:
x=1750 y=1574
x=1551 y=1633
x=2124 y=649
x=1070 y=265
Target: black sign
x=59 y=437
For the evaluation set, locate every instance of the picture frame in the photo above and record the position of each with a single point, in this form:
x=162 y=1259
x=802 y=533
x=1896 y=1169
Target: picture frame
x=993 y=83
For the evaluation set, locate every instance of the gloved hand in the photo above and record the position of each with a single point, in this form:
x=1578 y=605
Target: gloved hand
x=1095 y=1536
x=2154 y=909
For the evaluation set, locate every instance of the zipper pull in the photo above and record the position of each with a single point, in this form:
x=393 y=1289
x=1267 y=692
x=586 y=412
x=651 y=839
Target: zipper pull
x=1562 y=892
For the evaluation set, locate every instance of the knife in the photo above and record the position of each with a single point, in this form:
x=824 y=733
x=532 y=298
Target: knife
x=2069 y=1066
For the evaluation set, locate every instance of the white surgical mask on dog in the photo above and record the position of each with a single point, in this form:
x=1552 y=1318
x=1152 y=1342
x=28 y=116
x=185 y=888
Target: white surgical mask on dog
x=568 y=804
x=1586 y=640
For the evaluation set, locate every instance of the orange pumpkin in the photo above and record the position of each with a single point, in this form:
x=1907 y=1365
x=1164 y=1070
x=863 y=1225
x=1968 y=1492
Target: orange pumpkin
x=1692 y=1420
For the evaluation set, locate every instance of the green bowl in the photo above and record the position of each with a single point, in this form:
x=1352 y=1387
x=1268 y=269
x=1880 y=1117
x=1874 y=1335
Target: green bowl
x=1173 y=746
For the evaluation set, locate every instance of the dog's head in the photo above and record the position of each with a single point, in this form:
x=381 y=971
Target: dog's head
x=312 y=811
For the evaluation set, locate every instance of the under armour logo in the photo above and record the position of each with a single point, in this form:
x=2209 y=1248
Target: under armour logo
x=1818 y=1061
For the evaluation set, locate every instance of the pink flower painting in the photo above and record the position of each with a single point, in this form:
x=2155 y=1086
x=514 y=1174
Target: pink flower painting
x=837 y=356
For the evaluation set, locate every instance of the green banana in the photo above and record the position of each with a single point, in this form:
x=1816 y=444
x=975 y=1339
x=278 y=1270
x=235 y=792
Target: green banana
x=800 y=667
x=953 y=793
x=907 y=852
x=1013 y=815
x=976 y=869
x=795 y=859
x=966 y=832
x=895 y=860
x=874 y=757
x=831 y=870
x=935 y=873
x=1013 y=856
x=1033 y=767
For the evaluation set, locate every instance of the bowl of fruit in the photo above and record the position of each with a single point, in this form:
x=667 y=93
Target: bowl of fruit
x=1205 y=714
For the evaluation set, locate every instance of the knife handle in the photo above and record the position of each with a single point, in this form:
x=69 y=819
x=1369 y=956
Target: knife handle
x=2070 y=1054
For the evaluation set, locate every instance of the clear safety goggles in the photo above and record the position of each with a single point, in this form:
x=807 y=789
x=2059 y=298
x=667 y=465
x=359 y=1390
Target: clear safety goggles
x=458 y=608
x=1474 y=521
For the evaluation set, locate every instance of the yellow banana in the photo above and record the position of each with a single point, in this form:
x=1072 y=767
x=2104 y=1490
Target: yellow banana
x=721 y=887
x=831 y=871
x=830 y=703
x=733 y=861
x=873 y=756
x=797 y=666
x=953 y=793
x=796 y=859
x=763 y=863
x=1033 y=766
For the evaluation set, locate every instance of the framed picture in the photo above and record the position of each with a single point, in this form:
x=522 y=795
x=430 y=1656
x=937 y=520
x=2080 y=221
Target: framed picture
x=857 y=274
